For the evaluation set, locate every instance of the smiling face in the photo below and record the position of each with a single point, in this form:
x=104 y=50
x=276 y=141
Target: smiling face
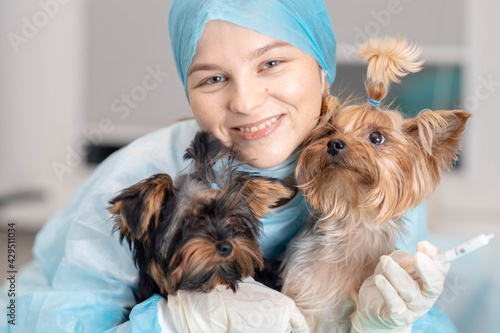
x=255 y=92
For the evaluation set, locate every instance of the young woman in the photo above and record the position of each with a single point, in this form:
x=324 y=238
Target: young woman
x=254 y=73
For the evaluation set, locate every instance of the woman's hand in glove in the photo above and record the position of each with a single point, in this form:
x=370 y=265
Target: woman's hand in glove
x=401 y=290
x=252 y=308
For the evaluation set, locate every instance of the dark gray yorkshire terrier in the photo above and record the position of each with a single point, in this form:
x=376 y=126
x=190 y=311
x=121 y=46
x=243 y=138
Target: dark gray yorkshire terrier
x=201 y=230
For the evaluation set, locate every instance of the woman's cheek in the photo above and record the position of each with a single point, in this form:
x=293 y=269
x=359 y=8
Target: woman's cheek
x=201 y=113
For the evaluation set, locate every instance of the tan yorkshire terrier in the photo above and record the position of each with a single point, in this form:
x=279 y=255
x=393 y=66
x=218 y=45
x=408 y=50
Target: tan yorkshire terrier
x=362 y=169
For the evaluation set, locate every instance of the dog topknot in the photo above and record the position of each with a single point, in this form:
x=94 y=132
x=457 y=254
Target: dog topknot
x=388 y=59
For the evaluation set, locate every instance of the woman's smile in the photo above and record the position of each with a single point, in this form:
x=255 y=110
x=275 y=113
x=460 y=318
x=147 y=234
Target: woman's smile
x=259 y=129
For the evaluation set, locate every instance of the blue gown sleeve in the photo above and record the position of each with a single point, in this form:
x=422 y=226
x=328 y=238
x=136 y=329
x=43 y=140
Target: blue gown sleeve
x=90 y=276
x=82 y=278
x=416 y=229
x=143 y=318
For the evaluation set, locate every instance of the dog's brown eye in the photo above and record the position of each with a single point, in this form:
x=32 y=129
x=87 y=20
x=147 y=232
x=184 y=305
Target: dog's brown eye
x=376 y=138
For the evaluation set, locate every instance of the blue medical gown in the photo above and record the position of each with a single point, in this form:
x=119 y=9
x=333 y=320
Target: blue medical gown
x=82 y=278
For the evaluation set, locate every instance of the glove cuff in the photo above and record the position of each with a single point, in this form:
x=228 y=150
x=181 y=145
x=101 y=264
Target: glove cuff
x=361 y=324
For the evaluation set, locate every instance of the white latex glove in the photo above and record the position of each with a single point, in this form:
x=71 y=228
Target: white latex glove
x=253 y=308
x=401 y=290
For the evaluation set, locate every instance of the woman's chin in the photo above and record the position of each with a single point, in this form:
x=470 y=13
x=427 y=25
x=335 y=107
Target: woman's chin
x=263 y=161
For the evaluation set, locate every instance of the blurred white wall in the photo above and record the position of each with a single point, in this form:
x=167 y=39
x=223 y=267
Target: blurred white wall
x=74 y=72
x=133 y=80
x=468 y=202
x=42 y=100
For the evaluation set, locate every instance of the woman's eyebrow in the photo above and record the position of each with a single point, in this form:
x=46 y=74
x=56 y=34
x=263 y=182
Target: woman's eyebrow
x=255 y=54
x=261 y=50
x=202 y=67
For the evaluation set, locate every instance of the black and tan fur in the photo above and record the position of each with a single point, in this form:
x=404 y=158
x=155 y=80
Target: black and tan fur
x=189 y=234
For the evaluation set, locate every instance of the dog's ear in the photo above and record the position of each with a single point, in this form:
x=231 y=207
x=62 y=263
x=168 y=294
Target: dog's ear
x=139 y=207
x=329 y=104
x=205 y=150
x=263 y=193
x=438 y=133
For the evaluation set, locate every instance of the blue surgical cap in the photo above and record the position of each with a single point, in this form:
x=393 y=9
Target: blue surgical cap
x=304 y=24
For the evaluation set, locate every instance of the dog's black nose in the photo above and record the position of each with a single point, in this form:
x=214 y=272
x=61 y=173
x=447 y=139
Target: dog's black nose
x=335 y=146
x=225 y=248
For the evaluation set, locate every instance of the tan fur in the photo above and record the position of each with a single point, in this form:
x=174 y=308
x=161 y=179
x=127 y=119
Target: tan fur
x=388 y=60
x=326 y=265
x=119 y=220
x=193 y=257
x=264 y=194
x=160 y=278
x=153 y=192
x=362 y=192
x=154 y=200
x=198 y=254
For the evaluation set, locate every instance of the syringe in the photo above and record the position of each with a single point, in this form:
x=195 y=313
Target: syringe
x=461 y=250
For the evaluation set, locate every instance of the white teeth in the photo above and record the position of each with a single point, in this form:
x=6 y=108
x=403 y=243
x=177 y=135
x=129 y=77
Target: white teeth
x=260 y=127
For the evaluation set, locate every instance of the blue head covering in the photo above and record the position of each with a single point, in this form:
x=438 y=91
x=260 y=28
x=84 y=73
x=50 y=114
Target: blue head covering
x=304 y=24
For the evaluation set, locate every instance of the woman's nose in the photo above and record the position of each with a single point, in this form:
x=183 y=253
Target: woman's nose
x=247 y=95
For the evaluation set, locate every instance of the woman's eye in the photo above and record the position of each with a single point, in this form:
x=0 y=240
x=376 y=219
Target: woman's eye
x=271 y=64
x=376 y=138
x=215 y=79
